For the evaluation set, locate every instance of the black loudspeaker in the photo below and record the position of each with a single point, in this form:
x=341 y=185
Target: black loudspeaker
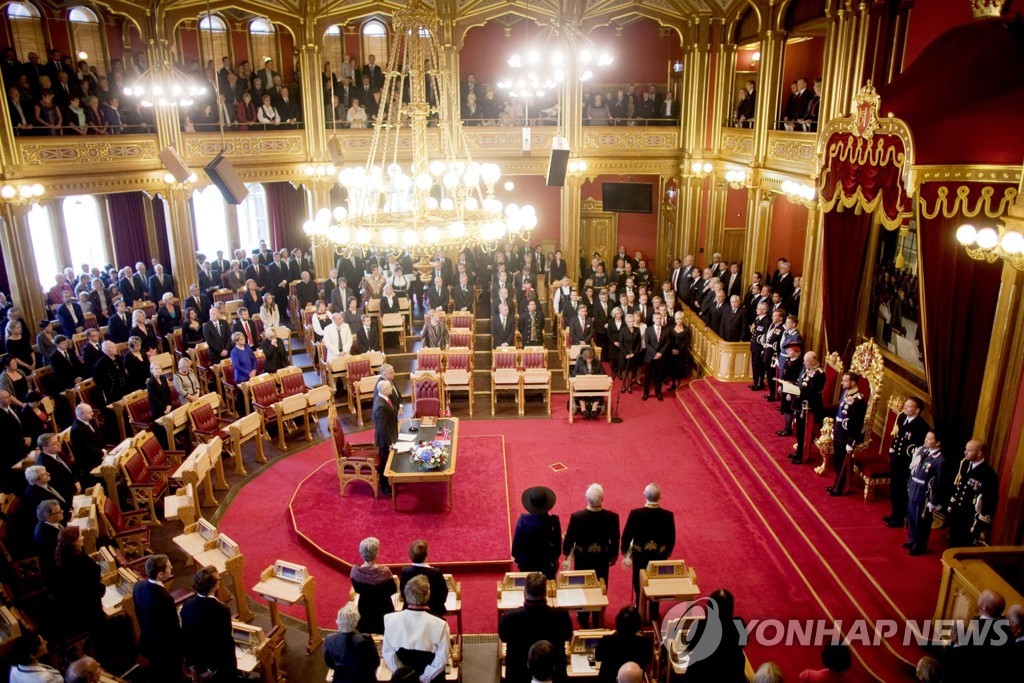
x=223 y=175
x=336 y=152
x=556 y=167
x=173 y=163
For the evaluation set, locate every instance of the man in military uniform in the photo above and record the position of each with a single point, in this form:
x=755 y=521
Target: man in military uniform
x=649 y=534
x=788 y=370
x=974 y=499
x=771 y=352
x=758 y=332
x=847 y=432
x=910 y=431
x=811 y=381
x=592 y=541
x=927 y=490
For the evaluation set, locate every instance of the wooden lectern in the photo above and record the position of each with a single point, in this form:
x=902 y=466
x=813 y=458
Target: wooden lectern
x=288 y=584
x=666 y=580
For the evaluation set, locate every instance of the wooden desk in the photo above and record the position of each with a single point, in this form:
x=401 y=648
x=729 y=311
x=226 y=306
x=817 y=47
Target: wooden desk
x=211 y=548
x=279 y=591
x=675 y=589
x=400 y=471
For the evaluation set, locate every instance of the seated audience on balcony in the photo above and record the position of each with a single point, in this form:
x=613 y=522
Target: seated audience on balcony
x=95 y=123
x=288 y=109
x=668 y=109
x=489 y=108
x=257 y=90
x=21 y=118
x=103 y=90
x=598 y=113
x=112 y=116
x=63 y=90
x=329 y=81
x=267 y=114
x=809 y=121
x=372 y=104
x=47 y=114
x=74 y=117
x=245 y=112
x=796 y=105
x=356 y=115
x=471 y=115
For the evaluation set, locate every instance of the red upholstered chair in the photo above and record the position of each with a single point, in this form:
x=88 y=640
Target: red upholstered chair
x=177 y=345
x=148 y=306
x=427 y=396
x=358 y=367
x=428 y=360
x=461 y=339
x=833 y=371
x=534 y=357
x=504 y=359
x=263 y=390
x=292 y=381
x=89 y=322
x=146 y=484
x=461 y=320
x=155 y=455
x=89 y=393
x=79 y=340
x=458 y=375
x=205 y=423
x=226 y=381
x=223 y=295
x=873 y=465
x=140 y=413
x=355 y=463
x=125 y=529
x=261 y=361
x=204 y=367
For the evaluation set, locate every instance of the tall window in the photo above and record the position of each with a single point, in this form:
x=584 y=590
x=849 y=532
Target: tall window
x=214 y=40
x=253 y=223
x=375 y=42
x=26 y=30
x=334 y=47
x=86 y=36
x=263 y=43
x=85 y=229
x=40 y=230
x=210 y=213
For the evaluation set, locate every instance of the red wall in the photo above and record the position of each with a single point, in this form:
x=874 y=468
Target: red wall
x=929 y=19
x=486 y=50
x=745 y=58
x=547 y=201
x=649 y=65
x=637 y=231
x=736 y=208
x=788 y=235
x=802 y=59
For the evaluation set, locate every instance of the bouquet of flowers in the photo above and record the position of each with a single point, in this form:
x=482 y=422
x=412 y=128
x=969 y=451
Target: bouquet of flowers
x=429 y=455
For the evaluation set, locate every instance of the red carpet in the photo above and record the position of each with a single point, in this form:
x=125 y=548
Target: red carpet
x=334 y=526
x=747 y=520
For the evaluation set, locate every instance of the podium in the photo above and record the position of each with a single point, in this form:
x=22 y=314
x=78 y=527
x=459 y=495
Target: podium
x=665 y=581
x=591 y=386
x=580 y=591
x=206 y=546
x=289 y=584
x=581 y=652
x=254 y=649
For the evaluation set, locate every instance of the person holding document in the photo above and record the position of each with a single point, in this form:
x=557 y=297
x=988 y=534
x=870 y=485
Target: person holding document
x=787 y=372
x=811 y=383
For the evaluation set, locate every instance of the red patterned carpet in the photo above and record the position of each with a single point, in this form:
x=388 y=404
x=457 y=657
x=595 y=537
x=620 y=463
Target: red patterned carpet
x=747 y=520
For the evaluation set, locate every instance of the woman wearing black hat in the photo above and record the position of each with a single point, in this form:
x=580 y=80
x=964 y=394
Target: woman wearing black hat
x=34 y=420
x=536 y=545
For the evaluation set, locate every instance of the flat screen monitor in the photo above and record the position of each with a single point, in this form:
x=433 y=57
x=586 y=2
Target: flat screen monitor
x=626 y=197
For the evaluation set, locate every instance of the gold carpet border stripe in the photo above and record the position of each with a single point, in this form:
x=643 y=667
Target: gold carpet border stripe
x=799 y=529
x=771 y=530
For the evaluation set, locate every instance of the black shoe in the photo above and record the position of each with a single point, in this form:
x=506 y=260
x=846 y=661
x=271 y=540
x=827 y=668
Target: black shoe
x=659 y=396
x=829 y=490
x=833 y=492
x=644 y=397
x=887 y=519
x=754 y=387
x=907 y=546
x=784 y=432
x=894 y=524
x=386 y=490
x=914 y=552
x=796 y=461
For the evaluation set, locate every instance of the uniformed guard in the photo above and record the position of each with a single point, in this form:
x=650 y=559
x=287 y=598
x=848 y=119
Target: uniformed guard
x=909 y=435
x=758 y=334
x=649 y=534
x=927 y=491
x=848 y=432
x=592 y=542
x=811 y=381
x=772 y=352
x=788 y=369
x=974 y=499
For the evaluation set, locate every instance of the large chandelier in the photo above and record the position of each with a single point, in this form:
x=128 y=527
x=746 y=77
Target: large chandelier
x=441 y=200
x=164 y=85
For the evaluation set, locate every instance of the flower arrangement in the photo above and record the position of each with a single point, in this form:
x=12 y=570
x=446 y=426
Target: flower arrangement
x=429 y=455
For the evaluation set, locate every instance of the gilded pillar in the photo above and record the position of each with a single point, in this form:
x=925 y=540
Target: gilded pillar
x=759 y=221
x=725 y=67
x=318 y=196
x=314 y=125
x=10 y=153
x=181 y=240
x=690 y=194
x=20 y=262
x=812 y=324
x=769 y=96
x=152 y=241
x=717 y=194
x=694 y=105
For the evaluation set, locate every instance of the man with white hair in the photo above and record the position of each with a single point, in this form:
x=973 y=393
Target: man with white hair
x=592 y=541
x=160 y=283
x=630 y=672
x=385 y=429
x=337 y=337
x=86 y=442
x=649 y=535
x=39 y=489
x=414 y=637
x=350 y=654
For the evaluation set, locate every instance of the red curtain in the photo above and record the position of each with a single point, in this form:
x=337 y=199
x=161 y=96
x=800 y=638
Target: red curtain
x=868 y=167
x=959 y=305
x=287 y=211
x=844 y=255
x=160 y=220
x=128 y=226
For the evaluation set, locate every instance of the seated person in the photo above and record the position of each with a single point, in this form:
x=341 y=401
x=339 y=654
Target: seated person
x=586 y=364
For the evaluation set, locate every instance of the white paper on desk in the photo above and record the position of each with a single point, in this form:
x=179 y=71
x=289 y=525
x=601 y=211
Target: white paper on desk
x=111 y=598
x=403 y=447
x=790 y=388
x=580 y=665
x=406 y=437
x=571 y=596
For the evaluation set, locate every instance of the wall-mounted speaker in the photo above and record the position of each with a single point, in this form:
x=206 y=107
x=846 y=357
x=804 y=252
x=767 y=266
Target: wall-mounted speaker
x=223 y=175
x=334 y=149
x=557 y=165
x=173 y=163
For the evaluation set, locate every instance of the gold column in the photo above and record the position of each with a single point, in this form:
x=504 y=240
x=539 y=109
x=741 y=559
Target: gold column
x=773 y=47
x=759 y=221
x=724 y=70
x=812 y=323
x=833 y=61
x=717 y=194
x=59 y=234
x=696 y=78
x=152 y=240
x=181 y=240
x=10 y=153
x=314 y=126
x=318 y=196
x=20 y=262
x=569 y=235
x=690 y=193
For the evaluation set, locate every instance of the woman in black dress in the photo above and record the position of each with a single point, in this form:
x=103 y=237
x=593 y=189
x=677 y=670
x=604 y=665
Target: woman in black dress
x=78 y=585
x=629 y=353
x=374 y=584
x=252 y=299
x=615 y=326
x=352 y=315
x=168 y=317
x=19 y=346
x=679 y=350
x=136 y=363
x=13 y=380
x=161 y=397
x=144 y=331
x=34 y=420
x=192 y=332
x=627 y=644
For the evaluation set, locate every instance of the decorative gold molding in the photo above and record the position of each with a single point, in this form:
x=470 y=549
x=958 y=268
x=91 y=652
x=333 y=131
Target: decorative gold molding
x=987 y=201
x=611 y=138
x=796 y=148
x=73 y=152
x=738 y=142
x=966 y=173
x=205 y=146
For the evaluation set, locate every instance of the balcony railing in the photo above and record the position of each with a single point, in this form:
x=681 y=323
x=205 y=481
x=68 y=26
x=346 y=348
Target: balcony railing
x=725 y=361
x=59 y=155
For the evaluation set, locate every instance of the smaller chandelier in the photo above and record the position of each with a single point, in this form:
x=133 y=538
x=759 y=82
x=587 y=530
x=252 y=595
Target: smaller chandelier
x=21 y=194
x=992 y=244
x=163 y=85
x=799 y=193
x=543 y=65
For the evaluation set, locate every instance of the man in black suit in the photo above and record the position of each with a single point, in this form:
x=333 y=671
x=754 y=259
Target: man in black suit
x=39 y=489
x=437 y=295
x=209 y=280
x=366 y=337
x=49 y=523
x=199 y=302
x=62 y=478
x=351 y=267
x=160 y=283
x=110 y=375
x=127 y=286
x=217 y=336
x=14 y=444
x=463 y=295
x=92 y=351
x=713 y=311
x=67 y=367
x=70 y=315
x=656 y=339
x=119 y=324
x=649 y=534
x=782 y=280
x=21 y=118
x=581 y=328
x=86 y=442
x=277 y=280
x=557 y=268
x=373 y=71
x=733 y=281
x=520 y=628
x=602 y=314
x=438 y=585
x=734 y=320
x=247 y=327
x=306 y=292
x=385 y=429
x=974 y=499
x=910 y=432
x=503 y=331
x=502 y=298
x=220 y=264
x=592 y=539
x=257 y=272
x=160 y=639
x=206 y=631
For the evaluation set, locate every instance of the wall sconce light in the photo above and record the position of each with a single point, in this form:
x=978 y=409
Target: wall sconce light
x=173 y=183
x=21 y=195
x=677 y=67
x=991 y=244
x=701 y=169
x=736 y=179
x=577 y=167
x=321 y=172
x=755 y=59
x=799 y=193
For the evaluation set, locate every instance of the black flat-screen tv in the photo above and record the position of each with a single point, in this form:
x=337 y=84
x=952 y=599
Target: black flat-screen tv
x=626 y=197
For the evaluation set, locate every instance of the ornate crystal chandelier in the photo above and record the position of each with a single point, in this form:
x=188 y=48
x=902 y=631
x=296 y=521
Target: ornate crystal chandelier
x=441 y=200
x=164 y=85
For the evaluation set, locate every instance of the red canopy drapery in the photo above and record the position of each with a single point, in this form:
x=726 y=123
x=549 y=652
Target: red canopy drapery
x=865 y=174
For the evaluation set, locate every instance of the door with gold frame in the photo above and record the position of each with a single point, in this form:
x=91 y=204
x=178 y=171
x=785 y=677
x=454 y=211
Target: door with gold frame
x=599 y=231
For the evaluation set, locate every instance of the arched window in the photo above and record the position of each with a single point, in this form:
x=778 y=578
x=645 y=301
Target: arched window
x=253 y=222
x=87 y=36
x=40 y=229
x=26 y=30
x=263 y=44
x=214 y=40
x=85 y=229
x=334 y=48
x=210 y=215
x=375 y=42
